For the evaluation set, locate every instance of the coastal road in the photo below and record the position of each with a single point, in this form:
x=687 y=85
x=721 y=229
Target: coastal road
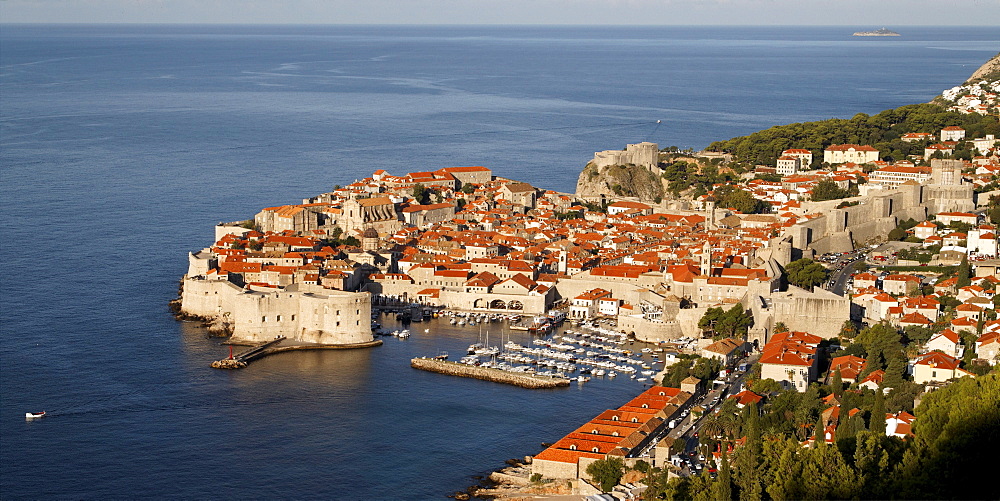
x=687 y=429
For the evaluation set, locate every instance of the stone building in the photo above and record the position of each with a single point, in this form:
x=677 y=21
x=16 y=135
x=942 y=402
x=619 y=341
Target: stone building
x=302 y=313
x=521 y=194
x=641 y=155
x=376 y=212
x=469 y=175
x=791 y=359
x=843 y=153
x=421 y=215
x=297 y=218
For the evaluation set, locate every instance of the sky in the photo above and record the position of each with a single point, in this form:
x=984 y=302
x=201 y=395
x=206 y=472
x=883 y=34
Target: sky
x=855 y=13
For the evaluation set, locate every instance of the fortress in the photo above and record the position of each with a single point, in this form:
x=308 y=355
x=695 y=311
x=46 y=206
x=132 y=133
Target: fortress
x=641 y=155
x=838 y=230
x=300 y=312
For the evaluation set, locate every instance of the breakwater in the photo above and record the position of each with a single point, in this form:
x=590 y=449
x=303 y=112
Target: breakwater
x=265 y=349
x=487 y=374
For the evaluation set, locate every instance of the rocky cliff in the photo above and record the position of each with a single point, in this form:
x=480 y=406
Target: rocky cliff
x=619 y=180
x=989 y=72
x=992 y=66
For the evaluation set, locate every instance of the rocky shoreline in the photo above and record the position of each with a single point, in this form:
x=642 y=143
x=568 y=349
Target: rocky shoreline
x=513 y=483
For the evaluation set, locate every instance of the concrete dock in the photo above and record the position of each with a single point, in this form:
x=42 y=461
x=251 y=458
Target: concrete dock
x=487 y=374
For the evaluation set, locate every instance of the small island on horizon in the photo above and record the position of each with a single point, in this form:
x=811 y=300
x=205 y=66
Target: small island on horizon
x=881 y=32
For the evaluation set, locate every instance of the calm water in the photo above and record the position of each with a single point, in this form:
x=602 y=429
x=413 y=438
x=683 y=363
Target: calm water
x=120 y=147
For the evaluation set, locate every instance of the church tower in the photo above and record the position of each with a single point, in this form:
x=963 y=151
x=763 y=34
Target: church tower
x=706 y=259
x=370 y=239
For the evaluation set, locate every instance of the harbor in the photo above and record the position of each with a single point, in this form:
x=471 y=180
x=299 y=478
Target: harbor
x=519 y=350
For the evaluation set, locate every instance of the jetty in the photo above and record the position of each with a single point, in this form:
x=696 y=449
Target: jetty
x=241 y=360
x=264 y=349
x=531 y=381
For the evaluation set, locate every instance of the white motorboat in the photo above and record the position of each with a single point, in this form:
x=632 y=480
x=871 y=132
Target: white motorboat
x=34 y=415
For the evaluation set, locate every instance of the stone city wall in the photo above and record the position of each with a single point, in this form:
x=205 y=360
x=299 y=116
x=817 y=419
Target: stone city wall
x=650 y=331
x=327 y=317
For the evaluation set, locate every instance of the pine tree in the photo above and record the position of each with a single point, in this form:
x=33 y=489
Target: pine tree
x=872 y=462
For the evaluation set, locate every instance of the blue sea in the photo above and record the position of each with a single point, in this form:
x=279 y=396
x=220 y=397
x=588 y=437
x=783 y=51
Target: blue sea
x=121 y=147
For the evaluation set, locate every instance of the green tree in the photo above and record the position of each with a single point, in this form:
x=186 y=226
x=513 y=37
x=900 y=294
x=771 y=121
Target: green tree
x=734 y=322
x=805 y=273
x=876 y=422
x=607 y=472
x=994 y=215
x=827 y=189
x=837 y=383
x=737 y=199
x=954 y=443
x=848 y=330
x=421 y=194
x=964 y=273
x=723 y=488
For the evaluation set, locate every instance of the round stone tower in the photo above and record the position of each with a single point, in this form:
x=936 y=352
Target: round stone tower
x=369 y=239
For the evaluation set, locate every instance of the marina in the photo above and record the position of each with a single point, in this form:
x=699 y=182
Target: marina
x=579 y=353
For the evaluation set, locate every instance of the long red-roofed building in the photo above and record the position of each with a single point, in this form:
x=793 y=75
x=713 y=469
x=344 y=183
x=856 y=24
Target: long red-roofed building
x=611 y=433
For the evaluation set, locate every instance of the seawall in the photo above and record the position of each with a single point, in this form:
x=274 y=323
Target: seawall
x=487 y=374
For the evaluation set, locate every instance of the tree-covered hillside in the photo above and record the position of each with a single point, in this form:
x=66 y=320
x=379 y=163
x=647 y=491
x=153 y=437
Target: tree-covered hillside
x=882 y=131
x=951 y=454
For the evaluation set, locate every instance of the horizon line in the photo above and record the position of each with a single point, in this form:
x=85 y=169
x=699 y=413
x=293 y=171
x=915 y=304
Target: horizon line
x=629 y=25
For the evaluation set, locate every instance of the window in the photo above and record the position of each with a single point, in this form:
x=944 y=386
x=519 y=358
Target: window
x=293 y=318
x=614 y=418
x=263 y=319
x=595 y=449
x=279 y=318
x=635 y=420
x=572 y=447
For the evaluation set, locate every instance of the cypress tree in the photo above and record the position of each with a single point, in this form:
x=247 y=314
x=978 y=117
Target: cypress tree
x=876 y=422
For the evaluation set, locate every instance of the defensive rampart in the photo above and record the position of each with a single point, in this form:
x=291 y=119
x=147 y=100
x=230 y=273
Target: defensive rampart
x=321 y=316
x=839 y=230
